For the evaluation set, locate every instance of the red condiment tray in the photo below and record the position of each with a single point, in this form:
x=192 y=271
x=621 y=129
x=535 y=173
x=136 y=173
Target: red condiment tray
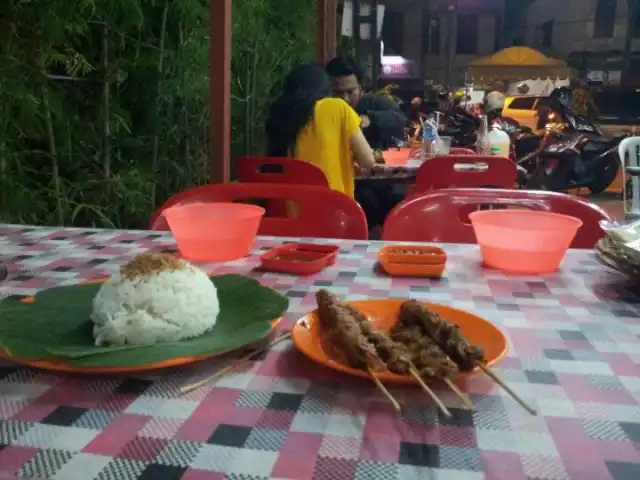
x=299 y=258
x=413 y=261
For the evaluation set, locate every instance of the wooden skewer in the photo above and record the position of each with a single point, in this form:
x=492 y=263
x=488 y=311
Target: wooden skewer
x=384 y=390
x=506 y=388
x=232 y=365
x=460 y=394
x=443 y=408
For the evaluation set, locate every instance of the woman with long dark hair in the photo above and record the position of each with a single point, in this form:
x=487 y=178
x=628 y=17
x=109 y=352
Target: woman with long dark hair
x=305 y=123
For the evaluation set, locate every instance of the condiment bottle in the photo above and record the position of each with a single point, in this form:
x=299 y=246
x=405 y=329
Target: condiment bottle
x=482 y=141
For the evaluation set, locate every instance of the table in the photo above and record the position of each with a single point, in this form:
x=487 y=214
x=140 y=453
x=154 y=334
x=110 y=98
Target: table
x=574 y=353
x=394 y=174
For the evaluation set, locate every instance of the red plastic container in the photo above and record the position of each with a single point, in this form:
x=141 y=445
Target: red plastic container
x=214 y=232
x=299 y=258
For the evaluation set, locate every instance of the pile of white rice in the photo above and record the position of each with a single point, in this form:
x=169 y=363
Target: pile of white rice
x=154 y=298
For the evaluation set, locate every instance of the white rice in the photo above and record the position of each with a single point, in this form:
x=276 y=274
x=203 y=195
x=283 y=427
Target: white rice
x=165 y=306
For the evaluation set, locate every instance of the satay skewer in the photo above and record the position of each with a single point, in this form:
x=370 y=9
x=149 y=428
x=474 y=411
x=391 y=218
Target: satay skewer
x=395 y=356
x=384 y=391
x=344 y=337
x=487 y=371
x=464 y=398
x=453 y=343
x=443 y=408
x=233 y=365
x=435 y=361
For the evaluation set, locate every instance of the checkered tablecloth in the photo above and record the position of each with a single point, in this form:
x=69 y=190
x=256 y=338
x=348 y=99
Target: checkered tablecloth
x=574 y=352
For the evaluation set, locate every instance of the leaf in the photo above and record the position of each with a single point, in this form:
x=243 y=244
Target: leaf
x=57 y=326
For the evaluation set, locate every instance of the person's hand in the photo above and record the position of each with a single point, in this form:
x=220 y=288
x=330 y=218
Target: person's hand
x=365 y=121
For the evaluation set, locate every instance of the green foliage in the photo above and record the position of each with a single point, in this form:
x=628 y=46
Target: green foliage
x=104 y=105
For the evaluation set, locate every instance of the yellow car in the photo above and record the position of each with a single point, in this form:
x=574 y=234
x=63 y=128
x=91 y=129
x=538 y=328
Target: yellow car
x=523 y=109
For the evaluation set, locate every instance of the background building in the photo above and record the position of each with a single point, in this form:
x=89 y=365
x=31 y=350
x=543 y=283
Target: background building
x=597 y=37
x=440 y=37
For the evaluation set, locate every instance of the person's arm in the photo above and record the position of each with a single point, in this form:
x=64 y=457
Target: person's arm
x=384 y=114
x=362 y=152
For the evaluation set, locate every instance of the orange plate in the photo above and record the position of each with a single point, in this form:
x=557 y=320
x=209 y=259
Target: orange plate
x=383 y=314
x=413 y=260
x=62 y=367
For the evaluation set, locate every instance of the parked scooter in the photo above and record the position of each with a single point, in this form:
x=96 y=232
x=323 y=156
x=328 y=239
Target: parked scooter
x=569 y=160
x=573 y=154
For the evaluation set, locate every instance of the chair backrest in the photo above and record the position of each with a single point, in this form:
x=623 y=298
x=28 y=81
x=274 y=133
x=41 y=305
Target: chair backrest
x=320 y=211
x=443 y=216
x=465 y=171
x=461 y=151
x=278 y=170
x=630 y=148
x=629 y=154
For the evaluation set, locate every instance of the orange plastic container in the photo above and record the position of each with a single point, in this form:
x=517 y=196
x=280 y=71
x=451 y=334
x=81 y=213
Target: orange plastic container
x=214 y=232
x=413 y=260
x=523 y=241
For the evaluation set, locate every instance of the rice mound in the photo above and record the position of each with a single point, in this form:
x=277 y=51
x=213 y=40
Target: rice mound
x=154 y=298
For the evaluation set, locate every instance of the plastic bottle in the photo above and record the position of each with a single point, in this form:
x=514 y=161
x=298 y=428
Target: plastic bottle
x=482 y=141
x=429 y=136
x=499 y=142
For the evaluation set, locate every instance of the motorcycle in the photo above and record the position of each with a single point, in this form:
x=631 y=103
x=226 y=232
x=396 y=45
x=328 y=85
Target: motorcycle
x=462 y=129
x=571 y=155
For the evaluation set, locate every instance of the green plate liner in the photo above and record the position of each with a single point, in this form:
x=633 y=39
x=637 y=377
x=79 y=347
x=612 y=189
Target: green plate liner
x=57 y=326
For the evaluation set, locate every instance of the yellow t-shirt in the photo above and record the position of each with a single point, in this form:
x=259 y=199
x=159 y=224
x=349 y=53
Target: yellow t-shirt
x=324 y=142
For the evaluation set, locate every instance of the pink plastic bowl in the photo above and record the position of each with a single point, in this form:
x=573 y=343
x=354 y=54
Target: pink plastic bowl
x=396 y=157
x=214 y=232
x=523 y=241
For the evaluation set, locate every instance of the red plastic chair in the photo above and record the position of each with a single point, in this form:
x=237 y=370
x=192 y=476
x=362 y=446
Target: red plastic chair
x=443 y=216
x=321 y=212
x=278 y=170
x=465 y=171
x=461 y=151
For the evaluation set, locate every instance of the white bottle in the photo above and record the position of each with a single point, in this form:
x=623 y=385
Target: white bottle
x=499 y=142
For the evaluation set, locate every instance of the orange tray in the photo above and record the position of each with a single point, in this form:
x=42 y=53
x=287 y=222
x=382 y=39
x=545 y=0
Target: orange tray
x=59 y=366
x=413 y=260
x=383 y=314
x=299 y=258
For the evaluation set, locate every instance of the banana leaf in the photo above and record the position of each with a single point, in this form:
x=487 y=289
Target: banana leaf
x=57 y=326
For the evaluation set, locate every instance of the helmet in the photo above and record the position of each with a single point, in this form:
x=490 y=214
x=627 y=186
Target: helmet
x=561 y=99
x=494 y=101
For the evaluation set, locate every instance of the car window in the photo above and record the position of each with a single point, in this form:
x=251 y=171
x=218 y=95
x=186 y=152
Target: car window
x=522 y=103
